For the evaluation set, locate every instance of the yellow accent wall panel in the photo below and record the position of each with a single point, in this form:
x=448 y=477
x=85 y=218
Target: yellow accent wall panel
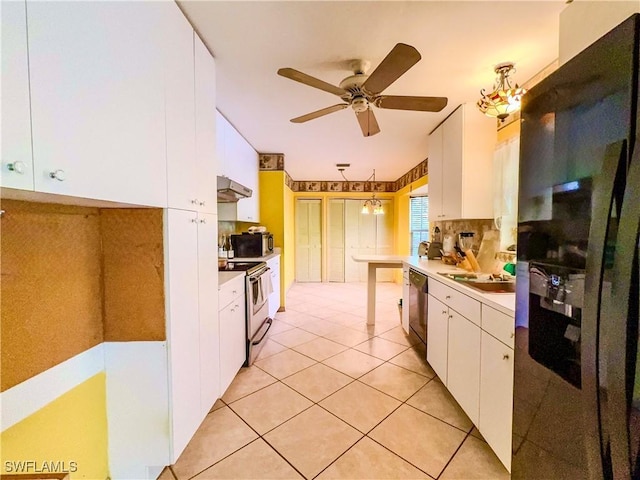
x=72 y=428
x=401 y=204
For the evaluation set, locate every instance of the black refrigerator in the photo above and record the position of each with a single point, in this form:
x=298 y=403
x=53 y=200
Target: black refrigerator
x=576 y=409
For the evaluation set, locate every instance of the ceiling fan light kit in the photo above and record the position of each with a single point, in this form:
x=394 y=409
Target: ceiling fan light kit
x=504 y=99
x=362 y=91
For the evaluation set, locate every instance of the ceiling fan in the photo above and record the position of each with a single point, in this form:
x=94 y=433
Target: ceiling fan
x=361 y=91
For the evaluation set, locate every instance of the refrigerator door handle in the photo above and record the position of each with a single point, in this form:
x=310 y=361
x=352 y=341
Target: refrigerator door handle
x=592 y=321
x=624 y=309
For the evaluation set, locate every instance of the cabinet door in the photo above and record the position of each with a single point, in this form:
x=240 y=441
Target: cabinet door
x=183 y=325
x=221 y=154
x=308 y=240
x=248 y=208
x=208 y=311
x=274 y=297
x=233 y=153
x=437 y=337
x=496 y=396
x=463 y=367
x=205 y=128
x=17 y=159
x=97 y=99
x=435 y=175
x=452 y=167
x=233 y=341
x=336 y=240
x=182 y=173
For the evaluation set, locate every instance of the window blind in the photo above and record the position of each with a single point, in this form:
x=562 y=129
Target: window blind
x=418 y=221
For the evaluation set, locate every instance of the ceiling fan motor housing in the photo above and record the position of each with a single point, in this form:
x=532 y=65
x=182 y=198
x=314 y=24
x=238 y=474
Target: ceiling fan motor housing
x=360 y=104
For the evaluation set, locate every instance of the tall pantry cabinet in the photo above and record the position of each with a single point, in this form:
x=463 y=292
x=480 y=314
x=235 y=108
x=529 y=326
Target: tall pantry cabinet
x=118 y=101
x=191 y=231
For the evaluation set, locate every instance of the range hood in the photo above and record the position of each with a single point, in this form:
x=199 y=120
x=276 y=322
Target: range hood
x=230 y=191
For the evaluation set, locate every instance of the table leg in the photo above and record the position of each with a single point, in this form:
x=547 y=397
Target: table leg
x=371 y=294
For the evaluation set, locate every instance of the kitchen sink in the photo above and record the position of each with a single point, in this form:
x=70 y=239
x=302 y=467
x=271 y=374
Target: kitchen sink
x=486 y=285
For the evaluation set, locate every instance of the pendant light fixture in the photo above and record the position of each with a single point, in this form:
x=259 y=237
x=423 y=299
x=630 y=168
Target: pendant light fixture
x=371 y=205
x=504 y=99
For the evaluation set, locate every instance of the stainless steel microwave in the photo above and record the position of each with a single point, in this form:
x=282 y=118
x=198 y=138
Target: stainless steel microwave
x=248 y=245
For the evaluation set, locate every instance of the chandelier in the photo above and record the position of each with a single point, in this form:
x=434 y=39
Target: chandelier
x=371 y=205
x=504 y=99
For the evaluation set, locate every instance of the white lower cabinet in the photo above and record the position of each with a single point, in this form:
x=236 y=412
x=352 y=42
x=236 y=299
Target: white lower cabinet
x=473 y=356
x=496 y=396
x=233 y=330
x=192 y=321
x=274 y=297
x=463 y=366
x=437 y=336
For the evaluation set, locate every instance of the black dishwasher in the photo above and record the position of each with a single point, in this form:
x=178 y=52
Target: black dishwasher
x=418 y=290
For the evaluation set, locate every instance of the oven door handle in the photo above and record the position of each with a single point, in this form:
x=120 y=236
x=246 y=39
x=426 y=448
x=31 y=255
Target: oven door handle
x=266 y=323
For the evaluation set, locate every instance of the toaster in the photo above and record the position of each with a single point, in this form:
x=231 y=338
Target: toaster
x=423 y=249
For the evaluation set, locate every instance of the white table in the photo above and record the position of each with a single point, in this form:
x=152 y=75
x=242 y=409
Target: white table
x=373 y=263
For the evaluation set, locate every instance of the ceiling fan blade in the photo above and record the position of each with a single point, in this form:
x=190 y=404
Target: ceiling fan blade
x=298 y=76
x=368 y=122
x=400 y=59
x=423 y=104
x=319 y=113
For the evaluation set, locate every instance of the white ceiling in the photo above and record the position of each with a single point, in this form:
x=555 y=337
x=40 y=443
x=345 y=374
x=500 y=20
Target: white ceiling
x=460 y=42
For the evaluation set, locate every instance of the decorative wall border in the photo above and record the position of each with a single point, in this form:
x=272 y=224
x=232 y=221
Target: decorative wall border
x=275 y=162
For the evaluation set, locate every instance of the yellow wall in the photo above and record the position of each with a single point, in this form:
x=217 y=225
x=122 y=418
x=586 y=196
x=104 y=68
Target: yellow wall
x=276 y=213
x=510 y=131
x=401 y=202
x=289 y=260
x=72 y=428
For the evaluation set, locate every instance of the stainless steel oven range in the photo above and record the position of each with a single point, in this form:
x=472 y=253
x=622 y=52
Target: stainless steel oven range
x=257 y=287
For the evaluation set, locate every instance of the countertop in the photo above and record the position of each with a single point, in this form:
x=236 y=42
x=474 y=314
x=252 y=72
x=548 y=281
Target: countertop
x=503 y=302
x=225 y=276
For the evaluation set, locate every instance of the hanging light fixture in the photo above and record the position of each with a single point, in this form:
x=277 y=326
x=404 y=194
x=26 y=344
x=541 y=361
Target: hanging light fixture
x=504 y=99
x=372 y=205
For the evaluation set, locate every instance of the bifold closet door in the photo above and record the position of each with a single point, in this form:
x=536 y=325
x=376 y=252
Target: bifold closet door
x=308 y=240
x=335 y=240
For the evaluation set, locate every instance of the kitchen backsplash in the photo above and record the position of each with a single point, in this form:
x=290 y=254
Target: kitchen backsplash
x=479 y=227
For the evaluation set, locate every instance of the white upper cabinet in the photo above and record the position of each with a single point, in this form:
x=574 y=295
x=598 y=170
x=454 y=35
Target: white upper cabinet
x=17 y=159
x=97 y=99
x=180 y=111
x=238 y=161
x=460 y=166
x=205 y=97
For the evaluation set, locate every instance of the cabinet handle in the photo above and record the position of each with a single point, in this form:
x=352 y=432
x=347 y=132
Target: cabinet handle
x=58 y=175
x=448 y=297
x=444 y=312
x=450 y=316
x=513 y=334
x=194 y=220
x=203 y=220
x=234 y=292
x=194 y=201
x=202 y=204
x=17 y=167
x=505 y=356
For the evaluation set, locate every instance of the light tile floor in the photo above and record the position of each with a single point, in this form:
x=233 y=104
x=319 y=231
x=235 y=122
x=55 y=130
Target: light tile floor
x=330 y=398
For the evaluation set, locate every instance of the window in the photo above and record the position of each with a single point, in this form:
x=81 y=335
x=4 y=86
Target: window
x=418 y=222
